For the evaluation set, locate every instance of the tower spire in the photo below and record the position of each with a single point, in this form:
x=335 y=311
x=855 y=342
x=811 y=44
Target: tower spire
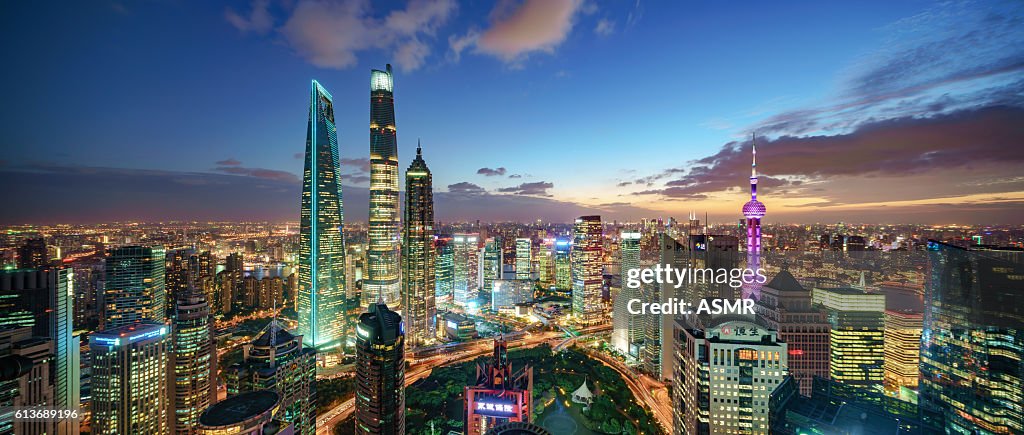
x=419 y=148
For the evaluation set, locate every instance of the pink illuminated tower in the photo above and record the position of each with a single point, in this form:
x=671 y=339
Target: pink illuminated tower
x=753 y=210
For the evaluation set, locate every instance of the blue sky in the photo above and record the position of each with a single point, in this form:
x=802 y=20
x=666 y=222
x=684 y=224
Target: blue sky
x=628 y=108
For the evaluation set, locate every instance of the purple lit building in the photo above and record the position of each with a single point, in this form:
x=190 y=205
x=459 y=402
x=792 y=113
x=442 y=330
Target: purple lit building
x=753 y=210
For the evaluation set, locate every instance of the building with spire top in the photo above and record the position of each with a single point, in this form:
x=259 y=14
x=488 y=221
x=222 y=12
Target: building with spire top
x=753 y=211
x=418 y=296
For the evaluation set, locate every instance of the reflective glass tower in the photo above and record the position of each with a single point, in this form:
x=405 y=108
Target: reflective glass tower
x=417 y=253
x=586 y=270
x=134 y=286
x=381 y=281
x=321 y=296
x=972 y=341
x=380 y=372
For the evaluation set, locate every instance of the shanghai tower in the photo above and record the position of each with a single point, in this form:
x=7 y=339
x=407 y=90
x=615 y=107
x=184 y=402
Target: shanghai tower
x=321 y=295
x=381 y=283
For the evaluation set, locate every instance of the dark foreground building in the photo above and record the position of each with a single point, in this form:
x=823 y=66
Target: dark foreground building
x=380 y=372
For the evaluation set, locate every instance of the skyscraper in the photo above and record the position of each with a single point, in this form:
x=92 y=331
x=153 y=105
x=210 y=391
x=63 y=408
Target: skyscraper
x=857 y=327
x=563 y=265
x=973 y=324
x=586 y=270
x=490 y=264
x=32 y=254
x=321 y=300
x=628 y=329
x=129 y=379
x=444 y=271
x=418 y=253
x=134 y=289
x=753 y=210
x=785 y=306
x=277 y=360
x=523 y=258
x=724 y=376
x=902 y=350
x=380 y=372
x=464 y=261
x=43 y=299
x=381 y=281
x=194 y=360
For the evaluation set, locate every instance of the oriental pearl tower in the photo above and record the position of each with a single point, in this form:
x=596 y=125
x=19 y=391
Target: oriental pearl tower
x=753 y=210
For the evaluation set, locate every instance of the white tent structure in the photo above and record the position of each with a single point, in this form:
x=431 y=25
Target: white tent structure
x=583 y=395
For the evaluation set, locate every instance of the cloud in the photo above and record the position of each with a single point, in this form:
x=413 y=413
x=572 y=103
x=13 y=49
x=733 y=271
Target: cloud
x=949 y=58
x=624 y=183
x=488 y=172
x=465 y=187
x=359 y=164
x=259 y=21
x=356 y=178
x=536 y=188
x=604 y=27
x=515 y=176
x=228 y=162
x=330 y=34
x=924 y=151
x=517 y=31
x=269 y=174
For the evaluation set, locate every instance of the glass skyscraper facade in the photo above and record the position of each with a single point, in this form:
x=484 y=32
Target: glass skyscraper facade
x=195 y=360
x=856 y=330
x=628 y=329
x=321 y=295
x=134 y=289
x=563 y=268
x=464 y=266
x=418 y=300
x=380 y=372
x=444 y=271
x=381 y=282
x=523 y=258
x=972 y=341
x=586 y=270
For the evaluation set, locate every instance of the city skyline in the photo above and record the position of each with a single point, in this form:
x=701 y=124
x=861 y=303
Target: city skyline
x=881 y=119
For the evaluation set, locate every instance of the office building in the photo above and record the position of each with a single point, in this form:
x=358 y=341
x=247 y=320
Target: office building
x=33 y=254
x=28 y=383
x=129 y=379
x=628 y=329
x=724 y=376
x=786 y=306
x=459 y=327
x=43 y=299
x=251 y=413
x=587 y=277
x=856 y=331
x=563 y=265
x=134 y=289
x=444 y=271
x=523 y=258
x=490 y=263
x=380 y=372
x=321 y=300
x=194 y=361
x=902 y=350
x=381 y=282
x=418 y=299
x=464 y=261
x=279 y=361
x=509 y=292
x=972 y=343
